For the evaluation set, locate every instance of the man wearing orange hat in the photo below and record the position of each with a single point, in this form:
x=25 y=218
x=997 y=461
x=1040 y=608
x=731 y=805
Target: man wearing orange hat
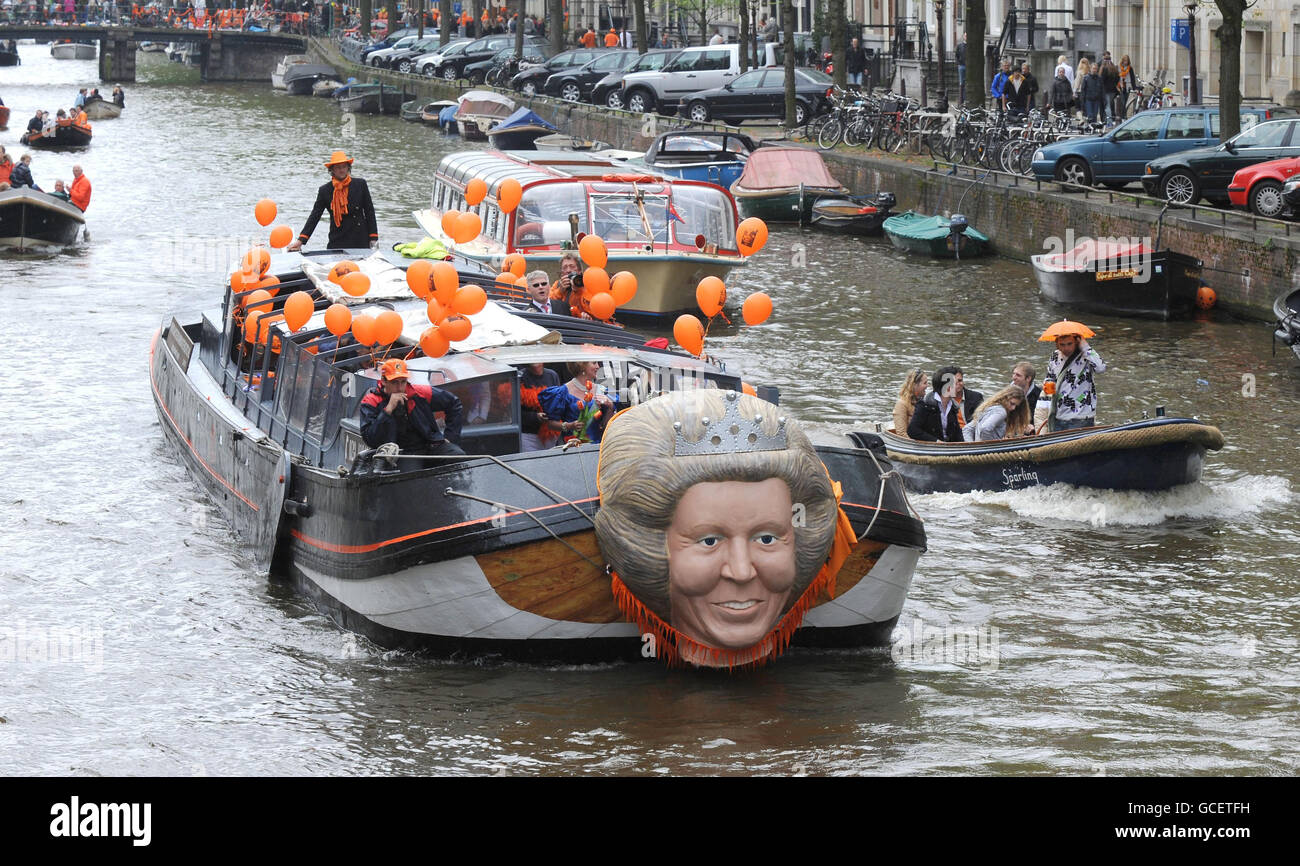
x=1070 y=370
x=397 y=411
x=352 y=213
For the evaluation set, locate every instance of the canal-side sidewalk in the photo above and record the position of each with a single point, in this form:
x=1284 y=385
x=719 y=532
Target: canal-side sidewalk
x=1247 y=261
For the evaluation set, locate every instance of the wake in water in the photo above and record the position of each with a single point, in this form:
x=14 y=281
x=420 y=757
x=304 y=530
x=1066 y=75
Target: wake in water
x=1247 y=495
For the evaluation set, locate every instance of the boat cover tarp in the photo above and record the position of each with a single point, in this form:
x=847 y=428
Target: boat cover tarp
x=1090 y=251
x=448 y=115
x=484 y=102
x=308 y=70
x=924 y=228
x=522 y=117
x=785 y=167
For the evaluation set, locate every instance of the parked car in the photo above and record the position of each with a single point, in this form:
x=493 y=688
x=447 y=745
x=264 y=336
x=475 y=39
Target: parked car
x=388 y=41
x=453 y=66
x=700 y=67
x=1291 y=195
x=574 y=84
x=530 y=80
x=477 y=73
x=760 y=93
x=1119 y=157
x=428 y=64
x=1260 y=187
x=380 y=56
x=1205 y=172
x=401 y=58
x=608 y=91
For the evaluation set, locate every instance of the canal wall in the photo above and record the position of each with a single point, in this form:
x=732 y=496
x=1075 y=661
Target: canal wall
x=1247 y=261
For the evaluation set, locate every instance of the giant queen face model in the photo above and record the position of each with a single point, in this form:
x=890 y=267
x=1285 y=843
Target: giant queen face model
x=716 y=517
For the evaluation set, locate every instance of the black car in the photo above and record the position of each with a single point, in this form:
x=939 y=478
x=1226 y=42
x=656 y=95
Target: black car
x=477 y=73
x=483 y=49
x=530 y=81
x=1205 y=172
x=608 y=91
x=761 y=93
x=574 y=84
x=402 y=60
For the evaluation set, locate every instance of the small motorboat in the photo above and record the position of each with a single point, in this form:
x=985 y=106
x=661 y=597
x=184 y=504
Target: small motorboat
x=1121 y=279
x=937 y=236
x=412 y=111
x=1154 y=454
x=1287 y=310
x=370 y=99
x=480 y=110
x=780 y=184
x=159 y=48
x=9 y=55
x=695 y=154
x=31 y=218
x=286 y=63
x=62 y=137
x=184 y=53
x=301 y=78
x=431 y=111
x=102 y=109
x=325 y=87
x=519 y=131
x=854 y=214
x=73 y=50
x=561 y=141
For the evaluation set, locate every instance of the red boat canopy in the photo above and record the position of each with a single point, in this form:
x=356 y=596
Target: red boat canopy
x=785 y=167
x=1087 y=253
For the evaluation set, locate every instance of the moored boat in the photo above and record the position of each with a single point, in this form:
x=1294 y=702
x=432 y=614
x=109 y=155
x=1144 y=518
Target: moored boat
x=101 y=109
x=519 y=130
x=560 y=141
x=325 y=87
x=1287 y=309
x=1121 y=279
x=500 y=556
x=300 y=79
x=937 y=236
x=700 y=154
x=73 y=50
x=480 y=110
x=370 y=99
x=430 y=112
x=568 y=194
x=854 y=215
x=286 y=63
x=9 y=55
x=1154 y=454
x=61 y=137
x=780 y=184
x=30 y=218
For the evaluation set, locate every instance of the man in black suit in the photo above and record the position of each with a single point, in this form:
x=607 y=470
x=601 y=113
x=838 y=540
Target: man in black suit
x=943 y=413
x=539 y=293
x=346 y=199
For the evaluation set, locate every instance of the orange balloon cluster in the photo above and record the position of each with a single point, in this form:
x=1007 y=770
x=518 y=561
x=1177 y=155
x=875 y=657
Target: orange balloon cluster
x=467 y=227
x=448 y=308
x=265 y=211
x=751 y=234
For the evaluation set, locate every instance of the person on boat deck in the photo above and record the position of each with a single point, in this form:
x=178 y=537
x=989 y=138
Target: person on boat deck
x=539 y=293
x=943 y=413
x=79 y=191
x=352 y=213
x=22 y=173
x=81 y=98
x=1023 y=375
x=910 y=393
x=6 y=168
x=538 y=430
x=1071 y=369
x=570 y=266
x=60 y=191
x=1002 y=416
x=119 y=96
x=37 y=123
x=397 y=411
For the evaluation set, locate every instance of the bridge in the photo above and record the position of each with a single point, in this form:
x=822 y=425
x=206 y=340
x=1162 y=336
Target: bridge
x=226 y=55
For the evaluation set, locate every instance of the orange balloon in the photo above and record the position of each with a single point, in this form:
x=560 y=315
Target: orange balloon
x=281 y=237
x=689 y=333
x=298 y=308
x=751 y=234
x=338 y=319
x=355 y=284
x=363 y=328
x=455 y=328
x=433 y=343
x=622 y=287
x=242 y=280
x=265 y=211
x=271 y=285
x=255 y=299
x=258 y=325
x=445 y=282
x=469 y=300
x=449 y=223
x=521 y=282
x=257 y=260
x=757 y=308
x=468 y=226
x=515 y=264
x=341 y=268
x=505 y=280
x=388 y=327
x=437 y=311
x=593 y=252
x=474 y=191
x=594 y=281
x=711 y=295
x=418 y=277
x=509 y=192
x=602 y=306
x=251 y=325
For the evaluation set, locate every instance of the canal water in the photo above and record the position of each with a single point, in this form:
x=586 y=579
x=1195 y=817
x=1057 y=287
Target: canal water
x=1118 y=634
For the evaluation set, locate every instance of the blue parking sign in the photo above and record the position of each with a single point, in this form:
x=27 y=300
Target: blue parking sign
x=1180 y=32
x=456 y=8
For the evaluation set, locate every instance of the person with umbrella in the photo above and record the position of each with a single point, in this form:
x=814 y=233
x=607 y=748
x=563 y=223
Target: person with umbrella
x=351 y=212
x=1069 y=378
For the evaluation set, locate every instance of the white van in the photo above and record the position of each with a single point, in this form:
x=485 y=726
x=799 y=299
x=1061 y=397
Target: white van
x=697 y=68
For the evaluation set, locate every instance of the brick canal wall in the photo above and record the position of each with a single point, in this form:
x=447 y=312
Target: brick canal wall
x=1247 y=262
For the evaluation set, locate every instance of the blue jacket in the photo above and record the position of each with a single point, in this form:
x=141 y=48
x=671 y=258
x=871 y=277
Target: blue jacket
x=378 y=427
x=1000 y=84
x=22 y=176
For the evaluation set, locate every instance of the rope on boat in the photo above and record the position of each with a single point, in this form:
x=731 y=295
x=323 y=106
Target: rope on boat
x=505 y=506
x=1114 y=440
x=880 y=496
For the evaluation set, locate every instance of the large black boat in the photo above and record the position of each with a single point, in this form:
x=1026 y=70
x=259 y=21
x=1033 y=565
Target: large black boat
x=31 y=218
x=490 y=553
x=1121 y=279
x=63 y=137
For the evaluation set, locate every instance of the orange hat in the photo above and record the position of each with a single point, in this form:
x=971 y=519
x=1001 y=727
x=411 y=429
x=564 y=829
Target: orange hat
x=395 y=368
x=338 y=158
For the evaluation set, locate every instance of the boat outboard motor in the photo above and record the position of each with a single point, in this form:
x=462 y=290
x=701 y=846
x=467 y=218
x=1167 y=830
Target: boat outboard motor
x=885 y=201
x=957 y=226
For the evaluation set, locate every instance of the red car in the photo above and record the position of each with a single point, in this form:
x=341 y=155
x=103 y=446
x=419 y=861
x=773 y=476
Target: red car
x=1259 y=187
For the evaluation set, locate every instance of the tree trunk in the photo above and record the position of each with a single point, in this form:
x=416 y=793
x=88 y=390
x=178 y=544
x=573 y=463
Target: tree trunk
x=1230 y=67
x=419 y=22
x=366 y=12
x=642 y=36
x=704 y=22
x=787 y=16
x=555 y=25
x=446 y=26
x=744 y=35
x=519 y=29
x=393 y=23
x=976 y=84
x=839 y=26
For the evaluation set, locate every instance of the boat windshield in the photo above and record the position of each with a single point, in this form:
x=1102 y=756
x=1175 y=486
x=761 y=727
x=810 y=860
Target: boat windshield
x=630 y=213
x=704 y=211
x=543 y=214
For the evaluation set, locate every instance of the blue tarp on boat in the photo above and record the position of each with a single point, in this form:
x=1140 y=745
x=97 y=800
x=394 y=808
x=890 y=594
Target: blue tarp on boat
x=447 y=118
x=522 y=117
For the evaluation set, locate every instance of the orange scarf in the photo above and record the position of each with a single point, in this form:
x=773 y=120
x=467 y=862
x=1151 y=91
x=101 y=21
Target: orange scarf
x=339 y=205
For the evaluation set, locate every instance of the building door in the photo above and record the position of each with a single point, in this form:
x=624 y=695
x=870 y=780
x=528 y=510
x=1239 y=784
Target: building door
x=1252 y=55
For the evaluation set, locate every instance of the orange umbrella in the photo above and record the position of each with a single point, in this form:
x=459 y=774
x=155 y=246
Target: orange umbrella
x=1066 y=328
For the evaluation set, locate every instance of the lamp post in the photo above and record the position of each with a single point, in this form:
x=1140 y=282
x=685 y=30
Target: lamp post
x=1193 y=94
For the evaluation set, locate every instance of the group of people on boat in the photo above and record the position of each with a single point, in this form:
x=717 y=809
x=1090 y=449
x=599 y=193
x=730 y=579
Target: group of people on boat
x=951 y=412
x=19 y=174
x=43 y=124
x=85 y=96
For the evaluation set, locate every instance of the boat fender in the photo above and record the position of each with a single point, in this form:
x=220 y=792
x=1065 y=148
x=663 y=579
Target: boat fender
x=297 y=509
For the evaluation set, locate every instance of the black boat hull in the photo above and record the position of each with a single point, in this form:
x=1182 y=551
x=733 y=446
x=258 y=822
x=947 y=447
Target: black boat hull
x=1165 y=287
x=31 y=219
x=65 y=137
x=1287 y=310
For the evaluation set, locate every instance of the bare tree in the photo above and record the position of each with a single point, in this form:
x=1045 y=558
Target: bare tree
x=976 y=21
x=446 y=26
x=555 y=24
x=787 y=16
x=839 y=26
x=1233 y=12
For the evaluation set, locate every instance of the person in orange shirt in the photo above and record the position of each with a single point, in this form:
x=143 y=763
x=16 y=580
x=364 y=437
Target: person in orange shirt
x=589 y=39
x=79 y=192
x=611 y=38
